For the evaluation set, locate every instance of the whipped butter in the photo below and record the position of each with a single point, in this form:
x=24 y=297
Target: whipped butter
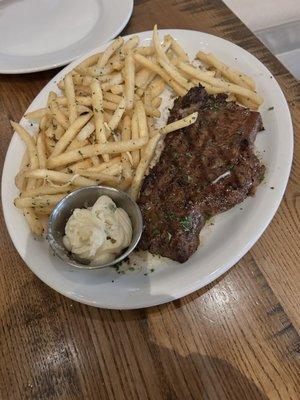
x=99 y=233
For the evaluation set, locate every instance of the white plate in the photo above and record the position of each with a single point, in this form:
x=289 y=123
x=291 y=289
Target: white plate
x=37 y=35
x=223 y=244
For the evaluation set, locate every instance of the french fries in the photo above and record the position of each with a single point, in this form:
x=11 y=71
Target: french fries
x=142 y=166
x=30 y=144
x=86 y=131
x=33 y=221
x=161 y=55
x=143 y=77
x=156 y=87
x=20 y=180
x=88 y=163
x=114 y=169
x=97 y=103
x=117 y=89
x=178 y=50
x=161 y=72
x=58 y=115
x=129 y=80
x=95 y=150
x=41 y=151
x=135 y=154
x=110 y=51
x=233 y=76
x=126 y=158
x=70 y=134
x=101 y=177
x=131 y=44
x=116 y=118
x=57 y=189
x=70 y=95
x=37 y=115
x=38 y=201
x=59 y=177
x=101 y=127
x=182 y=123
x=226 y=86
x=91 y=60
x=105 y=166
x=142 y=120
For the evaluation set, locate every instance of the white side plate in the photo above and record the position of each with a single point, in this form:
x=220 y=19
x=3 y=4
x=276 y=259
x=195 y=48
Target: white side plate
x=222 y=244
x=37 y=35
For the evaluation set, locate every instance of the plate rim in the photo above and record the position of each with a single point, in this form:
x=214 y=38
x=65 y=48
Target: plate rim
x=67 y=61
x=219 y=271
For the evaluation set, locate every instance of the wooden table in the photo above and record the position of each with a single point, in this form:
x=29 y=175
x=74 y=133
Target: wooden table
x=236 y=339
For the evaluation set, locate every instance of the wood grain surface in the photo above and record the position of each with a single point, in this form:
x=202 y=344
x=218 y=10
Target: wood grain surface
x=238 y=338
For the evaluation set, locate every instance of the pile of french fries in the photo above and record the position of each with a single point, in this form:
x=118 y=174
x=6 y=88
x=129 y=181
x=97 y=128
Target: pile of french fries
x=101 y=128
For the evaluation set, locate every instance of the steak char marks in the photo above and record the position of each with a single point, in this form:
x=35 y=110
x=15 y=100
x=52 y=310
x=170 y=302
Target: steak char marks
x=203 y=170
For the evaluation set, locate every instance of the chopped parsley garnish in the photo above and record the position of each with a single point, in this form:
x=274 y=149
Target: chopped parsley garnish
x=117 y=266
x=186 y=223
x=215 y=106
x=172 y=216
x=156 y=232
x=270 y=108
x=112 y=207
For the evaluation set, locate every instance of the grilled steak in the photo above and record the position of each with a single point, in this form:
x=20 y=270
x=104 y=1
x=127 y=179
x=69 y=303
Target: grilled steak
x=203 y=170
